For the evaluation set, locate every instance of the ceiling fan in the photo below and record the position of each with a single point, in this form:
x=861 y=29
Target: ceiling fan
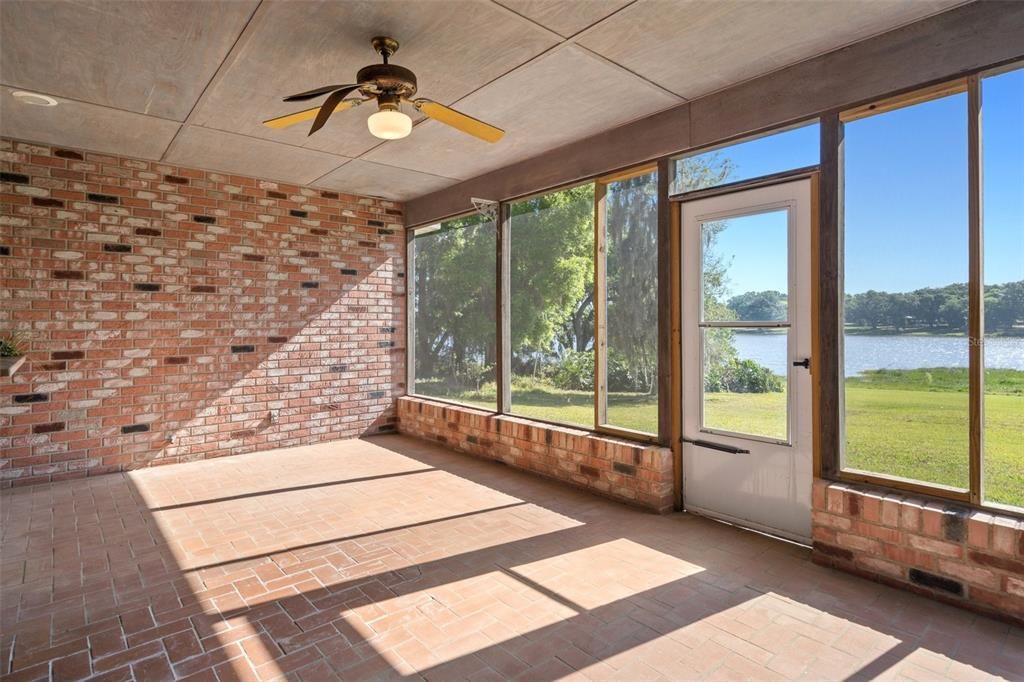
x=390 y=85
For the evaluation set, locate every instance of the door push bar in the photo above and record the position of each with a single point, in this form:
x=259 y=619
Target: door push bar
x=716 y=446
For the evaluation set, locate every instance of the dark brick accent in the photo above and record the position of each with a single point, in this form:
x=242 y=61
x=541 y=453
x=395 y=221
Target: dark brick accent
x=22 y=398
x=146 y=286
x=50 y=366
x=135 y=428
x=589 y=471
x=148 y=232
x=954 y=525
x=936 y=582
x=176 y=360
x=67 y=354
x=625 y=469
x=349 y=271
x=385 y=231
x=244 y=198
x=309 y=254
x=833 y=551
x=46 y=201
x=368 y=245
x=400 y=274
x=243 y=433
x=177 y=180
x=14 y=177
x=376 y=395
x=117 y=248
x=318 y=231
x=48 y=428
x=298 y=214
x=206 y=219
x=311 y=285
x=392 y=211
x=68 y=274
x=277 y=339
x=243 y=348
x=203 y=289
x=375 y=223
x=472 y=439
x=254 y=257
x=5 y=251
x=548 y=436
x=385 y=344
x=338 y=368
x=853 y=504
x=276 y=195
x=329 y=195
x=389 y=330
x=103 y=198
x=1003 y=564
x=68 y=154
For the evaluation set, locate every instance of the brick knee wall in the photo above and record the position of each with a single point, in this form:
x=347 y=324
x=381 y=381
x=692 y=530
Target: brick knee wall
x=630 y=472
x=966 y=557
x=166 y=301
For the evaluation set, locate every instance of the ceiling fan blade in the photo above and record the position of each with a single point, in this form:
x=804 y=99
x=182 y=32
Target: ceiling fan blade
x=310 y=94
x=329 y=105
x=459 y=120
x=307 y=114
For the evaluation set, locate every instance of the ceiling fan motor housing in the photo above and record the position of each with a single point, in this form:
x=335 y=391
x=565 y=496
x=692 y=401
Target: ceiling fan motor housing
x=388 y=78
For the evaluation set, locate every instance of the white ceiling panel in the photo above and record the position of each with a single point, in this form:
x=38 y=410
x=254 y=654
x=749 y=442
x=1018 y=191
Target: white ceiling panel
x=453 y=46
x=229 y=153
x=563 y=96
x=375 y=179
x=694 y=47
x=565 y=17
x=148 y=57
x=86 y=126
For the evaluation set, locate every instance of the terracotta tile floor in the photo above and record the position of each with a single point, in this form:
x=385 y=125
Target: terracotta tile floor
x=392 y=558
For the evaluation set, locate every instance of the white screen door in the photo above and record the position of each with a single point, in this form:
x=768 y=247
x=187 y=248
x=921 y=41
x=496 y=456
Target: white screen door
x=747 y=451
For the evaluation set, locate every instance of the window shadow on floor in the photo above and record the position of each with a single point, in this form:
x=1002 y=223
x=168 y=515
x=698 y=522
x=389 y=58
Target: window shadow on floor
x=438 y=565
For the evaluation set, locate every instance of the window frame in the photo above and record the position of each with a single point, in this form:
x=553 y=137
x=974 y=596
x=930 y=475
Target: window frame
x=829 y=324
x=410 y=316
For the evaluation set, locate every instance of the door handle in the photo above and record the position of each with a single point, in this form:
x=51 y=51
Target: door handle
x=805 y=363
x=716 y=446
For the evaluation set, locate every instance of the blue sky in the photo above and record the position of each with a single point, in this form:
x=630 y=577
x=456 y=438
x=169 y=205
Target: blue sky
x=906 y=193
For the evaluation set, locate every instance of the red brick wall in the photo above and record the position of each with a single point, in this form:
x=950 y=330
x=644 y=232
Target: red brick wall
x=172 y=301
x=629 y=472
x=966 y=557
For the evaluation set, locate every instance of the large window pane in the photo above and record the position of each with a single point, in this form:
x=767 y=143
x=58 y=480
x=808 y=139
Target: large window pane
x=745 y=310
x=551 y=290
x=453 y=311
x=905 y=340
x=765 y=155
x=1003 y=203
x=631 y=267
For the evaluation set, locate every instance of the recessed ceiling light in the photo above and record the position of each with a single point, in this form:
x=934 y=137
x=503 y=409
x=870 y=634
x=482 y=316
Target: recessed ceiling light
x=34 y=98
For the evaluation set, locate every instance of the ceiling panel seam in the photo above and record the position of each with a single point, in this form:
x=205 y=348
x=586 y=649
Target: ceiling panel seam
x=627 y=70
x=385 y=165
x=230 y=55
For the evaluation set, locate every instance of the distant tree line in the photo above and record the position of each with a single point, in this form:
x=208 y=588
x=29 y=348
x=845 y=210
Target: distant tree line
x=940 y=309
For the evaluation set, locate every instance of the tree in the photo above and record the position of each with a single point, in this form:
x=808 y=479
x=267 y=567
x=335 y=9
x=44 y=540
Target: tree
x=759 y=305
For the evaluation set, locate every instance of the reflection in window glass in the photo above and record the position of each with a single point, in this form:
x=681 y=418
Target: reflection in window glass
x=454 y=311
x=905 y=338
x=631 y=245
x=772 y=153
x=745 y=279
x=551 y=294
x=1003 y=210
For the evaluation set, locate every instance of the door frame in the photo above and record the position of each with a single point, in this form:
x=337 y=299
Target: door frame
x=674 y=215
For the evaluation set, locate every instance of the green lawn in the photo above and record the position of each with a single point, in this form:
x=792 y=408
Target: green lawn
x=911 y=424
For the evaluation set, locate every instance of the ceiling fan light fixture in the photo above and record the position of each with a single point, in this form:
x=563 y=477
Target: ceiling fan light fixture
x=389 y=124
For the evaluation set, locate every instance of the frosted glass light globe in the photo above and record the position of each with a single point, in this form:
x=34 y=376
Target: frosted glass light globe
x=389 y=125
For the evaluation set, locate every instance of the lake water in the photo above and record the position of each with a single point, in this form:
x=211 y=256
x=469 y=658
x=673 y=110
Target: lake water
x=889 y=352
